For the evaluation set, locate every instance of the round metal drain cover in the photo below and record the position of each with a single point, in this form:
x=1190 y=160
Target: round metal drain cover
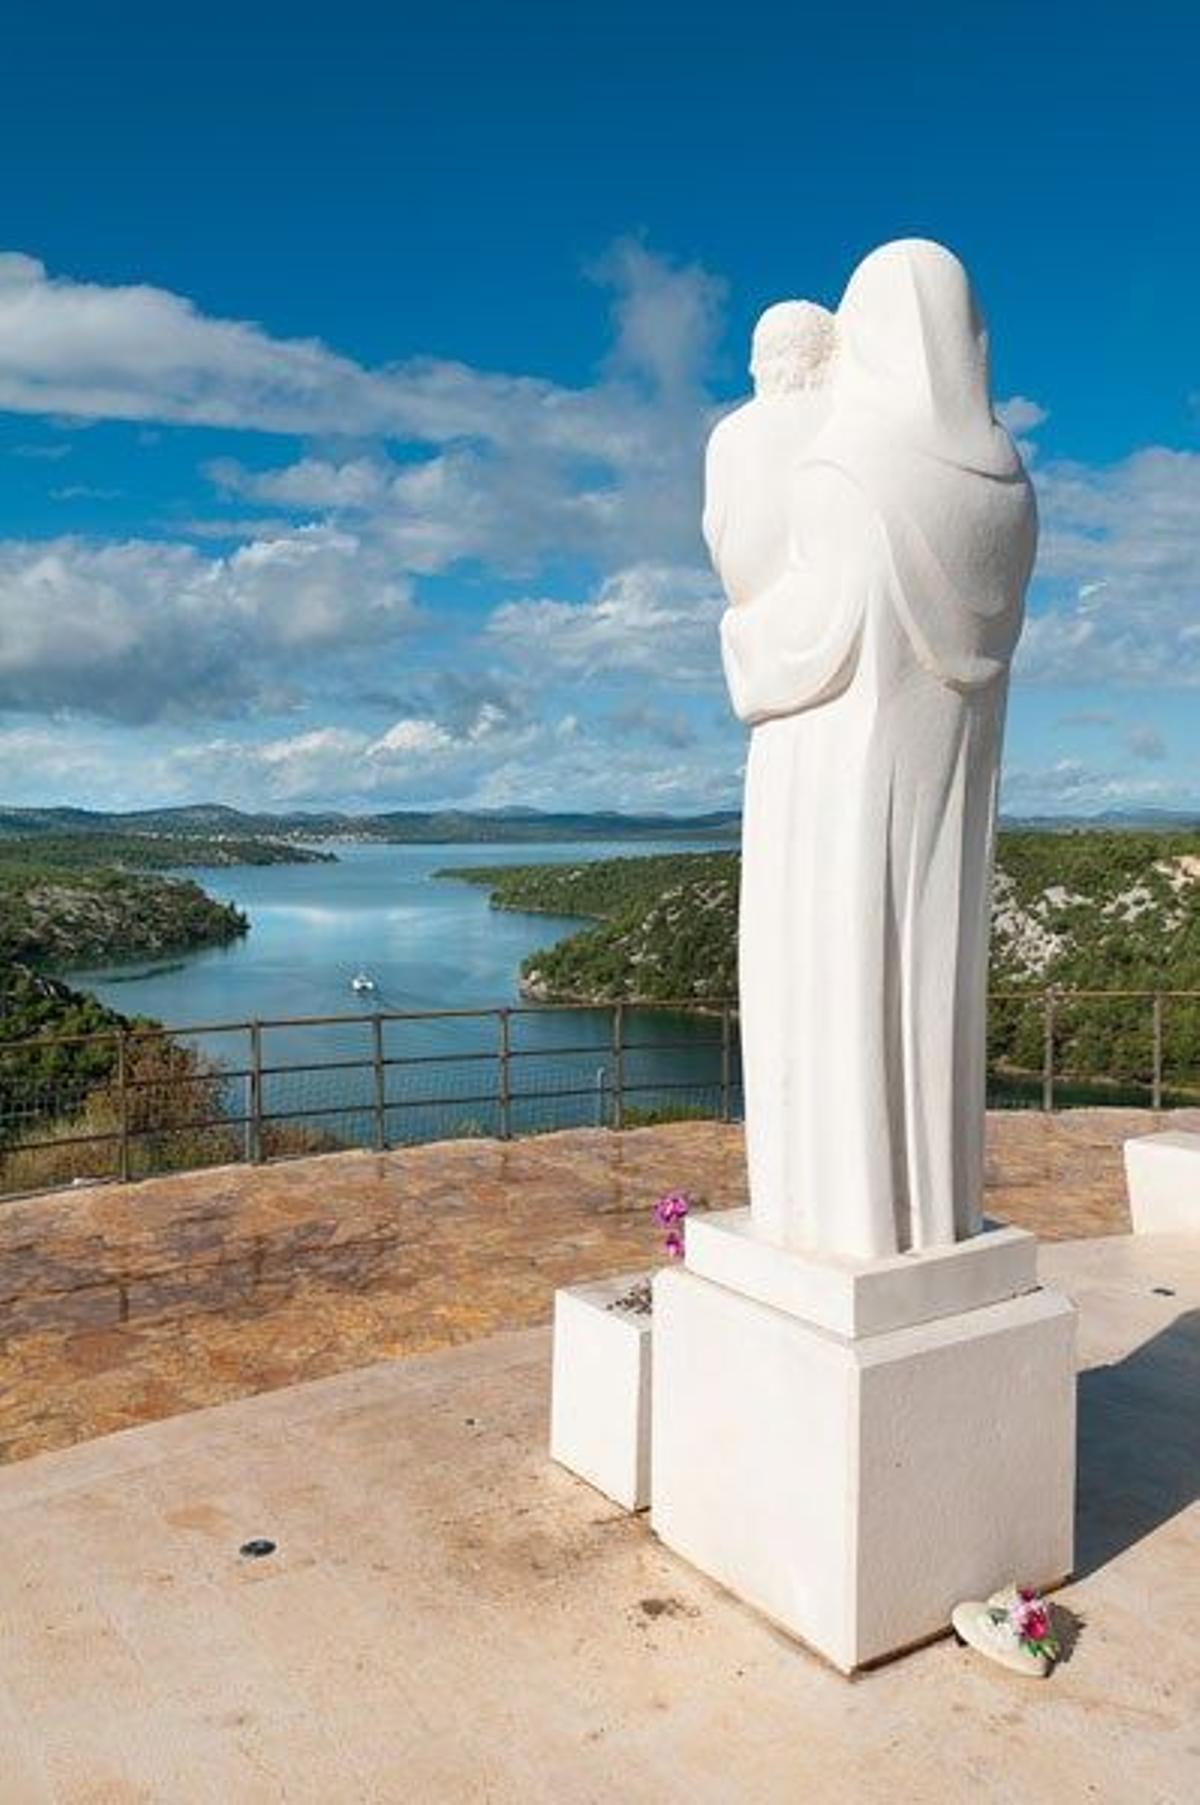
x=257 y=1548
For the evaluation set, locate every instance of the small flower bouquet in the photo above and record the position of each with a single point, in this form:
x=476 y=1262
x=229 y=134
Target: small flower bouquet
x=1028 y=1616
x=1011 y=1627
x=670 y=1212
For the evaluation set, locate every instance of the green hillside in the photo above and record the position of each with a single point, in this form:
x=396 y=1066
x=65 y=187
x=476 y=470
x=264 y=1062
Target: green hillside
x=61 y=918
x=218 y=825
x=1091 y=910
x=146 y=851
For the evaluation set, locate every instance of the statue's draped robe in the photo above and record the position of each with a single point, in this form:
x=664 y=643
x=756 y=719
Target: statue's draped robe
x=874 y=671
x=749 y=486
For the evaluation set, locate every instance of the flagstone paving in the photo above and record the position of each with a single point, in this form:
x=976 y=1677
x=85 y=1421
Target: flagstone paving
x=122 y=1305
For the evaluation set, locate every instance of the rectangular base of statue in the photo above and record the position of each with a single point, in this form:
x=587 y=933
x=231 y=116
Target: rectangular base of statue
x=600 y=1400
x=855 y=1489
x=863 y=1297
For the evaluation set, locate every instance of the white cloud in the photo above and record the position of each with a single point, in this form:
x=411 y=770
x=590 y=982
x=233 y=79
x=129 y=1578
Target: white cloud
x=522 y=468
x=47 y=763
x=1120 y=558
x=653 y=620
x=493 y=761
x=511 y=510
x=309 y=483
x=88 y=350
x=1071 y=787
x=416 y=757
x=138 y=630
x=1020 y=414
x=411 y=736
x=668 y=318
x=136 y=352
x=234 y=526
x=283 y=771
x=550 y=698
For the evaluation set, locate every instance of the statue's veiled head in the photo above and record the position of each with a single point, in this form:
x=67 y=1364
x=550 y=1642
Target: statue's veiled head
x=913 y=346
x=792 y=347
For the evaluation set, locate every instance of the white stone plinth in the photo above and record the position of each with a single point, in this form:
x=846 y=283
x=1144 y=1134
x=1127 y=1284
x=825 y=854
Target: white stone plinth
x=600 y=1408
x=855 y=1490
x=1163 y=1175
x=863 y=1297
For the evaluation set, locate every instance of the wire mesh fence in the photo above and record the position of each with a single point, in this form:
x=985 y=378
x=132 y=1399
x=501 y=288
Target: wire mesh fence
x=129 y=1103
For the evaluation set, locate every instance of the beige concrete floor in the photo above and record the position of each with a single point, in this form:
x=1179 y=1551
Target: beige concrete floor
x=450 y=1618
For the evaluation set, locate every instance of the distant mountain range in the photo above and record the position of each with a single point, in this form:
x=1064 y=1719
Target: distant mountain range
x=213 y=821
x=1142 y=820
x=438 y=826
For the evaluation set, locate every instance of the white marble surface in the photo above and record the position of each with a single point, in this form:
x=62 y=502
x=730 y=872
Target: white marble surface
x=1163 y=1175
x=863 y=1297
x=874 y=532
x=600 y=1401
x=855 y=1491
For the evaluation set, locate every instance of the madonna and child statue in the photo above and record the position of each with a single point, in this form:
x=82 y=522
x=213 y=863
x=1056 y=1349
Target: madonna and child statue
x=852 y=1381
x=874 y=531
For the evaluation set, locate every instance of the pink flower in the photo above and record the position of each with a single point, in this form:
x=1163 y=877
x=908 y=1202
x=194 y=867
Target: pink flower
x=672 y=1208
x=673 y=1242
x=1029 y=1616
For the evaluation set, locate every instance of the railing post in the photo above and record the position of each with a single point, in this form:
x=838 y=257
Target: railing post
x=503 y=1077
x=254 y=1151
x=123 y=1106
x=618 y=1057
x=1048 y=1053
x=1156 y=1075
x=380 y=1091
x=726 y=1063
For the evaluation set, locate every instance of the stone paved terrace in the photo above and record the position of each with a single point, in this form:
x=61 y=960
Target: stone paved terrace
x=451 y=1620
x=123 y=1305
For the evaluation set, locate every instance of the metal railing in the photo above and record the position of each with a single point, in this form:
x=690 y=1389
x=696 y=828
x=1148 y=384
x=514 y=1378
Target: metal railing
x=146 y=1099
x=1144 y=1080
x=172 y=1097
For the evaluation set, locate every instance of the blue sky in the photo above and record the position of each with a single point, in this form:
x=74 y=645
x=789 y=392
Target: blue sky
x=354 y=370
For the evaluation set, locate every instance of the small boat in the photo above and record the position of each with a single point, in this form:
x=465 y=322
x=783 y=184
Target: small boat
x=361 y=982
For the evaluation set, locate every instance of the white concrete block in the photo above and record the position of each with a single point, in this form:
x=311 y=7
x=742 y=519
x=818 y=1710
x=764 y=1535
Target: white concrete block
x=856 y=1490
x=1162 y=1172
x=600 y=1407
x=863 y=1297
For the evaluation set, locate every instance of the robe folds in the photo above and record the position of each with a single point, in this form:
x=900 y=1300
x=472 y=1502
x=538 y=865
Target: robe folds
x=875 y=548
x=873 y=672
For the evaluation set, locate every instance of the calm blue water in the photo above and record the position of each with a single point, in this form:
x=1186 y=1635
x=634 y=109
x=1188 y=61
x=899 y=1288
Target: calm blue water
x=429 y=943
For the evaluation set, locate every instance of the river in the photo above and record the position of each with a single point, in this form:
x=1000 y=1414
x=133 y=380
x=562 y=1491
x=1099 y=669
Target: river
x=428 y=943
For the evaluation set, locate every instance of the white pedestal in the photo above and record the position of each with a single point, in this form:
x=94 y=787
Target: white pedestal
x=863 y=1297
x=600 y=1406
x=1162 y=1172
x=856 y=1487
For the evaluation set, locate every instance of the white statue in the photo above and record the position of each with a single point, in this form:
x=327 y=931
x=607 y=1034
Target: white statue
x=875 y=538
x=752 y=451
